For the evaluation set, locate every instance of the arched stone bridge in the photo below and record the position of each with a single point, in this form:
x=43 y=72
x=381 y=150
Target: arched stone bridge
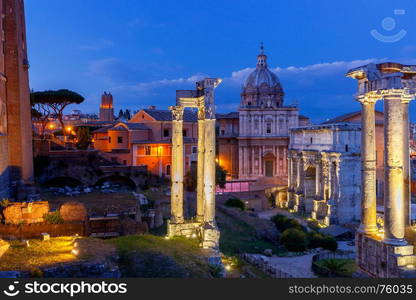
x=87 y=168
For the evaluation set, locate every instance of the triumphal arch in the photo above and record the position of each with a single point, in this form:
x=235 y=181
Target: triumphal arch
x=203 y=225
x=386 y=250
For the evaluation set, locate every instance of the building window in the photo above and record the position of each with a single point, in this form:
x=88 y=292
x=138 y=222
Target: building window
x=184 y=132
x=311 y=140
x=268 y=128
x=166 y=132
x=120 y=140
x=109 y=139
x=346 y=148
x=168 y=170
x=222 y=132
x=125 y=162
x=147 y=150
x=194 y=149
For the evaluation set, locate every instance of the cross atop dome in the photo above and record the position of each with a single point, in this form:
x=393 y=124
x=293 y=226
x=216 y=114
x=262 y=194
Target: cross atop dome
x=261 y=58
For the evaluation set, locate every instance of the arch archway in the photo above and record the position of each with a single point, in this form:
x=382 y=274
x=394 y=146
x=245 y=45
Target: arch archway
x=117 y=179
x=62 y=181
x=310 y=188
x=269 y=164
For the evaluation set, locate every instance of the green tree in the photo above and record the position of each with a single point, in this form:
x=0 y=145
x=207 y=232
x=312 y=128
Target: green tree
x=84 y=138
x=120 y=114
x=191 y=178
x=57 y=100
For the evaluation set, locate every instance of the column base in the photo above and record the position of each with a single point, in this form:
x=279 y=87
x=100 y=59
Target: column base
x=186 y=229
x=367 y=229
x=210 y=237
x=380 y=260
x=395 y=242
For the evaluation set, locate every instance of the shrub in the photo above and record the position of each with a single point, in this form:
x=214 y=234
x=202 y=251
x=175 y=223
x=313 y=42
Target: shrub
x=53 y=218
x=283 y=223
x=235 y=202
x=335 y=265
x=36 y=273
x=315 y=239
x=330 y=243
x=294 y=240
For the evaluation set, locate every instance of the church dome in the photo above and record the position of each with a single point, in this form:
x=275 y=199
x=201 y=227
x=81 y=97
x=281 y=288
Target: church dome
x=262 y=87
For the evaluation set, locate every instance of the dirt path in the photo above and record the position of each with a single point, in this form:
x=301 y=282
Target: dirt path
x=298 y=266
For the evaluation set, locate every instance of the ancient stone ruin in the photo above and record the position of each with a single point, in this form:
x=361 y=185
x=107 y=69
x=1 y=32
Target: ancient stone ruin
x=387 y=251
x=203 y=226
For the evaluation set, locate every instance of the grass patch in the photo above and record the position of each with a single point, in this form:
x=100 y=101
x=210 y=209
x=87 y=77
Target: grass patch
x=152 y=256
x=48 y=253
x=340 y=267
x=239 y=237
x=38 y=254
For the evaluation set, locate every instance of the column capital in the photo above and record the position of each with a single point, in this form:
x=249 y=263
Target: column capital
x=407 y=96
x=201 y=113
x=369 y=98
x=177 y=113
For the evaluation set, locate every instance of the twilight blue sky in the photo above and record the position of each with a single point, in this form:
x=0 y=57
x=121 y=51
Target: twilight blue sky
x=144 y=50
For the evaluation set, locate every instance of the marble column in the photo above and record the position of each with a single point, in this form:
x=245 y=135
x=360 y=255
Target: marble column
x=318 y=180
x=209 y=171
x=406 y=170
x=284 y=161
x=368 y=172
x=177 y=165
x=290 y=174
x=394 y=205
x=200 y=165
x=298 y=174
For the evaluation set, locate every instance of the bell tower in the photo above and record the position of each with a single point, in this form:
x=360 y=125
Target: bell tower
x=106 y=108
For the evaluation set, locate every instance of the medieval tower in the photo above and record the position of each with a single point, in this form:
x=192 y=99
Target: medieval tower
x=16 y=157
x=106 y=108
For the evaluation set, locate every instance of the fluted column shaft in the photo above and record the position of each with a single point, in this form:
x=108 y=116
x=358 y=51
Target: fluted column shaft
x=177 y=165
x=394 y=200
x=406 y=165
x=209 y=171
x=200 y=166
x=368 y=169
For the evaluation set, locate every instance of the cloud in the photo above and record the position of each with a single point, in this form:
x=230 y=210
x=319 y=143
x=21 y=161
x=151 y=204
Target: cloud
x=316 y=70
x=321 y=90
x=98 y=45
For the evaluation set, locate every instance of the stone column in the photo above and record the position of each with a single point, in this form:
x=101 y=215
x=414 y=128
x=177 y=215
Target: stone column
x=177 y=165
x=200 y=165
x=209 y=164
x=298 y=174
x=284 y=171
x=368 y=171
x=406 y=170
x=290 y=174
x=394 y=205
x=318 y=180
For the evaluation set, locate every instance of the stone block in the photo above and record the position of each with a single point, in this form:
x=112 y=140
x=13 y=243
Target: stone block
x=26 y=212
x=73 y=211
x=4 y=246
x=45 y=236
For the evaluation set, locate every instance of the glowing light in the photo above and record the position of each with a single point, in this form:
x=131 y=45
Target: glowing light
x=228 y=267
x=167 y=237
x=75 y=252
x=69 y=128
x=193 y=235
